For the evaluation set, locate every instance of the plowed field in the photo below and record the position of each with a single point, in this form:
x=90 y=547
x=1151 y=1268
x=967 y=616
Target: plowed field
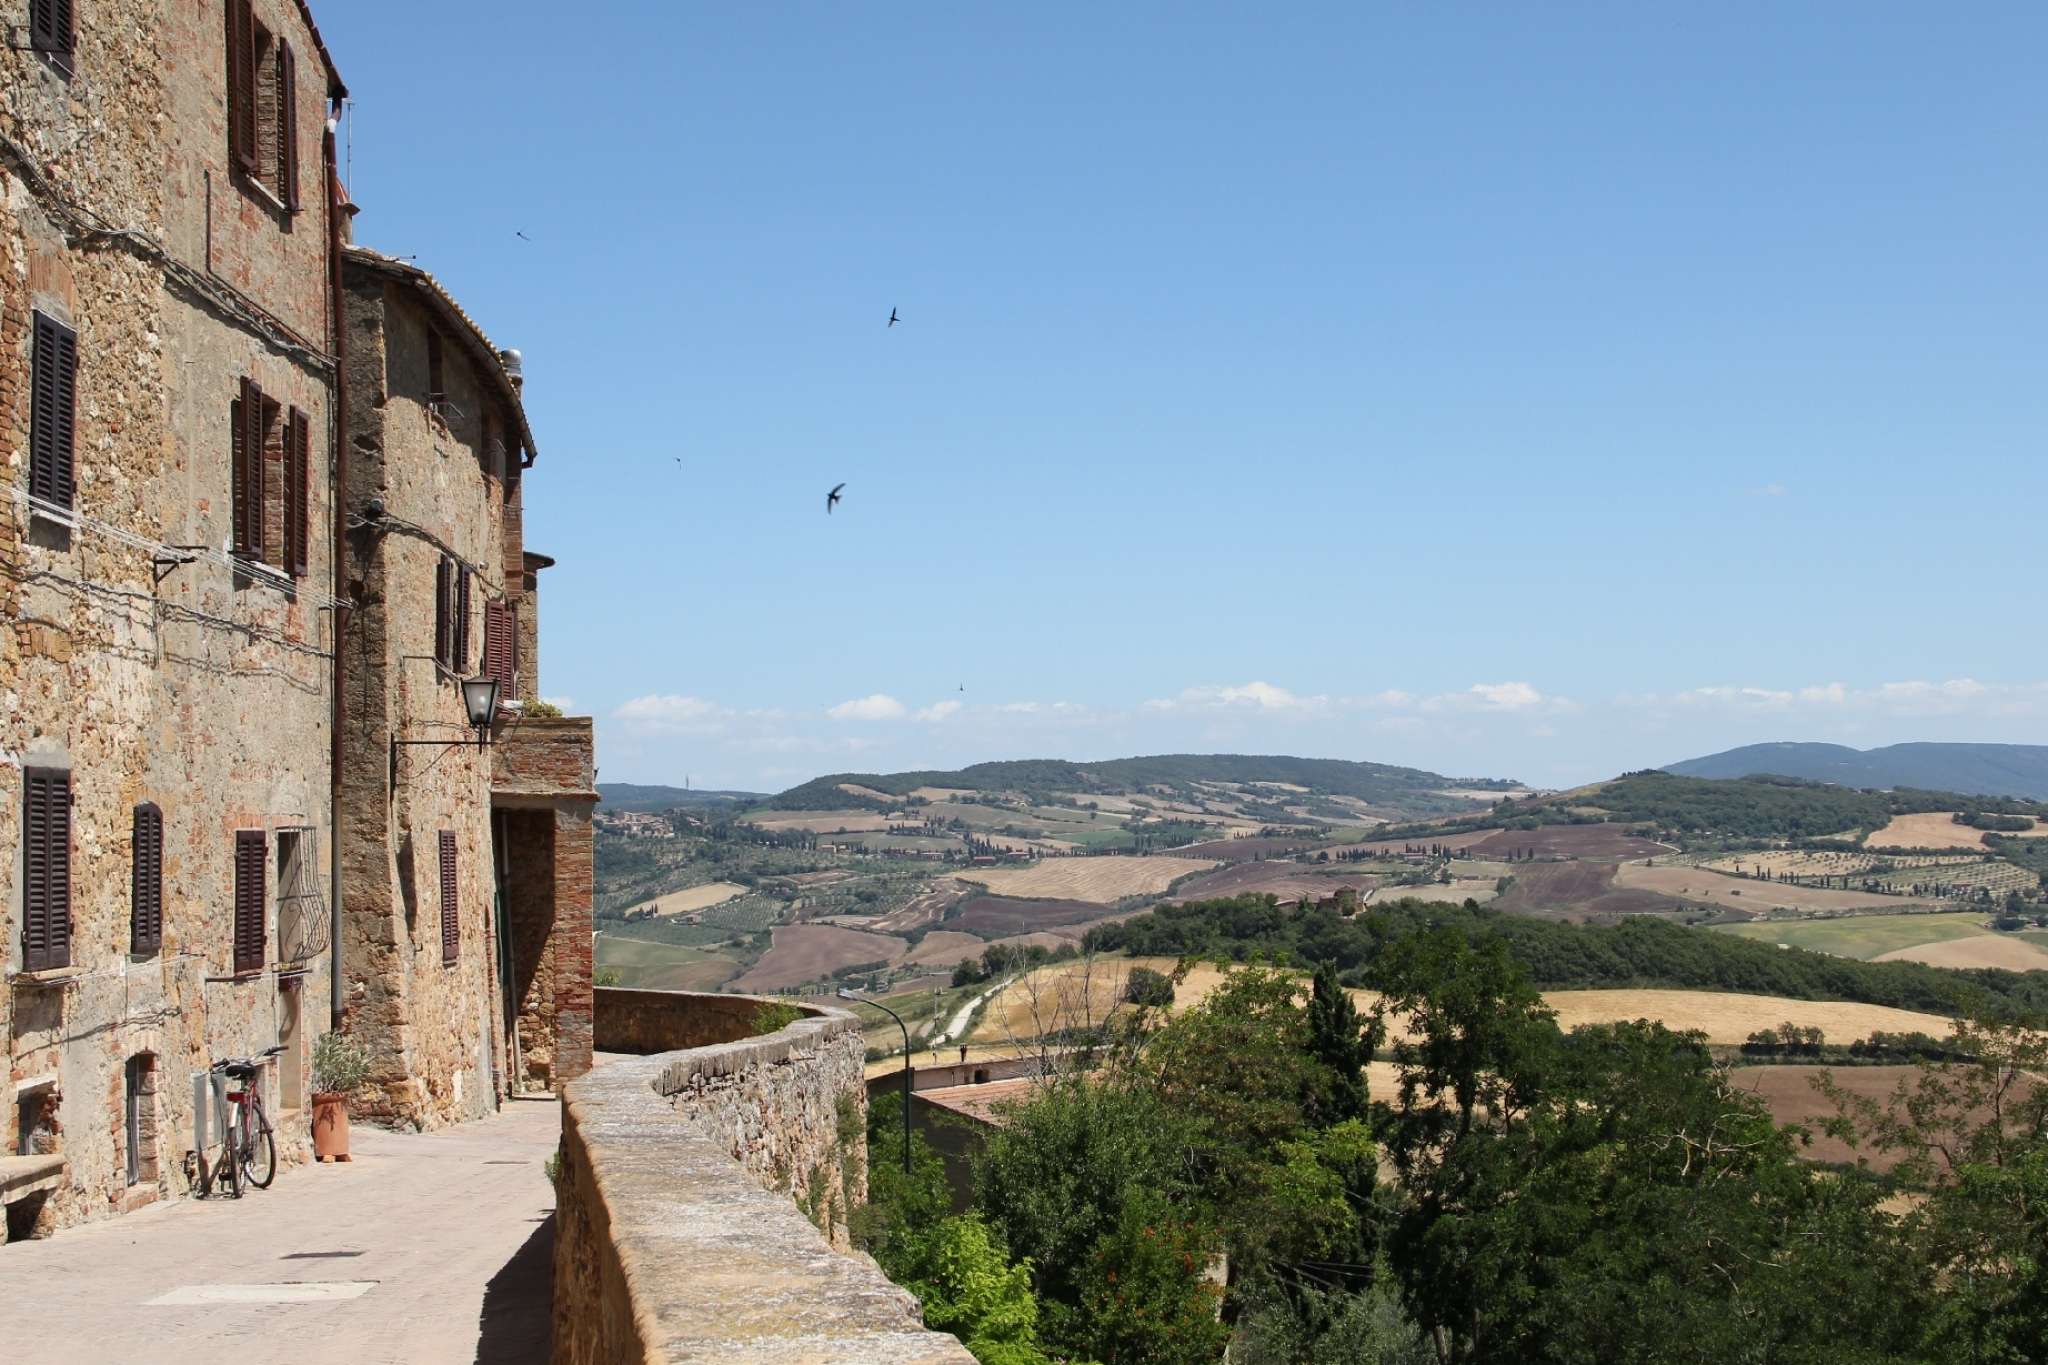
x=1288 y=881
x=1982 y=950
x=1604 y=842
x=944 y=948
x=1101 y=880
x=1576 y=889
x=997 y=917
x=1698 y=886
x=1729 y=1019
x=809 y=952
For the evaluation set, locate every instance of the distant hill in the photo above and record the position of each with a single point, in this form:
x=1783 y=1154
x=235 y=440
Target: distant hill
x=1408 y=789
x=624 y=796
x=1974 y=769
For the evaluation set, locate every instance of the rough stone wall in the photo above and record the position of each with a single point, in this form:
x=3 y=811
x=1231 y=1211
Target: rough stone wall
x=201 y=689
x=543 y=782
x=668 y=1248
x=434 y=1026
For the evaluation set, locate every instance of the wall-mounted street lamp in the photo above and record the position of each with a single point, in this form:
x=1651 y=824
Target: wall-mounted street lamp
x=845 y=994
x=479 y=702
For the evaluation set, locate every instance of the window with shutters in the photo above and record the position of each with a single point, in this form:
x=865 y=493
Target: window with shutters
x=451 y=918
x=451 y=615
x=46 y=869
x=146 y=880
x=271 y=469
x=501 y=648
x=53 y=411
x=251 y=869
x=52 y=32
x=263 y=119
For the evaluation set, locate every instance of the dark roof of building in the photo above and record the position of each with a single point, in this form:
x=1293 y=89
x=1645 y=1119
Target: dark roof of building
x=335 y=89
x=438 y=300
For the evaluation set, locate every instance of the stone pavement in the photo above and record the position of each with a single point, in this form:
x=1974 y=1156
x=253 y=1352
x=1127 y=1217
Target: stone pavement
x=454 y=1230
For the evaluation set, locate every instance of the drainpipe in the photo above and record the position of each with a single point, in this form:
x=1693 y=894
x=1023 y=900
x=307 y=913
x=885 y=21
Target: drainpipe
x=340 y=424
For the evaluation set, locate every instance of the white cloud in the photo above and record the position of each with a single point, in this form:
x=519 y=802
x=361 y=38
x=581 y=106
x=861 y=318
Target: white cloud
x=672 y=715
x=1960 y=697
x=1493 y=698
x=876 y=707
x=1255 y=695
x=935 y=713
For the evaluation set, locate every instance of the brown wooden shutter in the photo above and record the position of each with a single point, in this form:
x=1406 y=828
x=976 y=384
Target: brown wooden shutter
x=451 y=917
x=242 y=87
x=51 y=32
x=146 y=890
x=298 y=470
x=288 y=126
x=252 y=851
x=53 y=416
x=462 y=657
x=443 y=617
x=501 y=648
x=46 y=869
x=247 y=457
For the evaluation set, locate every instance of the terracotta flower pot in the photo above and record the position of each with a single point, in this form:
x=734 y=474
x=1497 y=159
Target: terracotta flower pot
x=330 y=1126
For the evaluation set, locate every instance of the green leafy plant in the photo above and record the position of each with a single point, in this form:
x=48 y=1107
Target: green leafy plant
x=775 y=1016
x=540 y=710
x=340 y=1063
x=608 y=977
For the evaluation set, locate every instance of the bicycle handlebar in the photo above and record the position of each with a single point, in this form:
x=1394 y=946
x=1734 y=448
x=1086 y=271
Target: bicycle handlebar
x=232 y=1064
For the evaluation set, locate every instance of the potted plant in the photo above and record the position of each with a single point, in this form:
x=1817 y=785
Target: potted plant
x=340 y=1065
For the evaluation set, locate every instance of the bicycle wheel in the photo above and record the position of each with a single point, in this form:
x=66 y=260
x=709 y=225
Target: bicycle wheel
x=259 y=1148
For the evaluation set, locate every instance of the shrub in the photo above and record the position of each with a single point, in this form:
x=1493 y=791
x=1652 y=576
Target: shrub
x=775 y=1016
x=340 y=1063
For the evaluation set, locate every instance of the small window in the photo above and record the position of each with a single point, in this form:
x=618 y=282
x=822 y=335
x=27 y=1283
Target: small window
x=451 y=614
x=146 y=881
x=142 y=1168
x=52 y=32
x=251 y=850
x=53 y=411
x=451 y=918
x=437 y=385
x=46 y=869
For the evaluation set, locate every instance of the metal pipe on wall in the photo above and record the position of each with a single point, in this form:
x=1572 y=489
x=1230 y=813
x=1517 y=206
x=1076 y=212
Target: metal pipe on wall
x=339 y=423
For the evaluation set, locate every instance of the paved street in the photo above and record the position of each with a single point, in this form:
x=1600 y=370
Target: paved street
x=431 y=1249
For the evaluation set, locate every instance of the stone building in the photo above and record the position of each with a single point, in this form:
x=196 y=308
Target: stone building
x=466 y=868
x=166 y=562
x=203 y=640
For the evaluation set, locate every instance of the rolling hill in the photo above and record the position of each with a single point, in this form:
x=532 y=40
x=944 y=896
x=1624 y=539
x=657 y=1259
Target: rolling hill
x=1973 y=769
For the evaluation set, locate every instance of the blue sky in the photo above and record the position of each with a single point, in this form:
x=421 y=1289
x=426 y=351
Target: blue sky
x=1508 y=390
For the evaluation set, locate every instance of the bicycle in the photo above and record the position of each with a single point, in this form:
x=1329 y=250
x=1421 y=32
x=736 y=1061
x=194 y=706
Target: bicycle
x=248 y=1148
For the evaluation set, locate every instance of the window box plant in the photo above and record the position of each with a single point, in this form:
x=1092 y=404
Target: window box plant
x=340 y=1066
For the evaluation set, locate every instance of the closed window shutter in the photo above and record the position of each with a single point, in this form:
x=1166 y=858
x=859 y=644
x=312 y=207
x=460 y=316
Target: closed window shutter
x=242 y=86
x=146 y=894
x=247 y=458
x=297 y=490
x=461 y=661
x=251 y=854
x=53 y=419
x=443 y=622
x=46 y=869
x=451 y=919
x=501 y=647
x=288 y=126
x=51 y=31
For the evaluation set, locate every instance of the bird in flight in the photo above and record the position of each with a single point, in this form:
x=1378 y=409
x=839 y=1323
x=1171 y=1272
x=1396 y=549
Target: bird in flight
x=893 y=319
x=521 y=236
x=832 y=500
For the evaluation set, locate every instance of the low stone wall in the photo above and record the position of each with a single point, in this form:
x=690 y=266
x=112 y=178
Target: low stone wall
x=681 y=1231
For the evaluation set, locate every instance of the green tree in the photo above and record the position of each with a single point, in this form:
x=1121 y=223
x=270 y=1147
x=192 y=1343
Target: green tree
x=969 y=1287
x=1149 y=1298
x=1338 y=1040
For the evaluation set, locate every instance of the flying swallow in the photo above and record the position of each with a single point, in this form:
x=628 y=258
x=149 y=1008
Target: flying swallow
x=832 y=500
x=893 y=319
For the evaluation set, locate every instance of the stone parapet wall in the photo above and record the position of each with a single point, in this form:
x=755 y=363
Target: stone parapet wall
x=677 y=1236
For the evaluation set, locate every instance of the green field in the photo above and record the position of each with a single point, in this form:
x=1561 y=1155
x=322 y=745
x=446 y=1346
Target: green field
x=1862 y=936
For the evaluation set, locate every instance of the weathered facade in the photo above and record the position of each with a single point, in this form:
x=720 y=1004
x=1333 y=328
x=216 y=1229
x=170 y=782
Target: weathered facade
x=214 y=665
x=166 y=675
x=466 y=873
